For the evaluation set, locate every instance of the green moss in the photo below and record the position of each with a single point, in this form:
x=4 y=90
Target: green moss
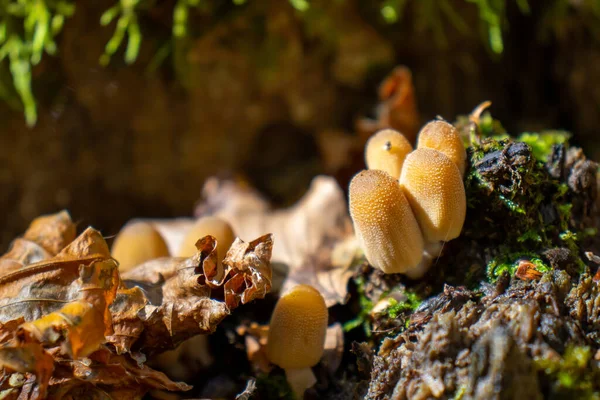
x=363 y=317
x=516 y=191
x=575 y=375
x=509 y=263
x=273 y=386
x=515 y=208
x=460 y=392
x=412 y=302
x=541 y=143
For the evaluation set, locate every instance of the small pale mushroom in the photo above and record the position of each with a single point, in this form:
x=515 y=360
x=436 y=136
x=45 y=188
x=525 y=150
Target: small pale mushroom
x=384 y=222
x=434 y=188
x=444 y=137
x=296 y=337
x=136 y=243
x=386 y=151
x=214 y=226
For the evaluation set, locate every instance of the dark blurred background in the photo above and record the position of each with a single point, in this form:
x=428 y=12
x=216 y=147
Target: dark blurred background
x=250 y=87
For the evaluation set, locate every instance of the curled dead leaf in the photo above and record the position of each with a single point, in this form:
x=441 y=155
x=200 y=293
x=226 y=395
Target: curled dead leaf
x=249 y=270
x=177 y=298
x=44 y=238
x=69 y=322
x=53 y=232
x=397 y=108
x=45 y=287
x=27 y=358
x=305 y=235
x=526 y=271
x=25 y=252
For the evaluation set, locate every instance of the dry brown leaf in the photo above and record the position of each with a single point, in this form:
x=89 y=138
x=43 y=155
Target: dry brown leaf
x=25 y=252
x=57 y=314
x=79 y=325
x=8 y=266
x=397 y=107
x=45 y=287
x=44 y=238
x=57 y=311
x=27 y=358
x=305 y=235
x=60 y=303
x=53 y=232
x=249 y=270
x=334 y=347
x=108 y=374
x=175 y=299
x=255 y=339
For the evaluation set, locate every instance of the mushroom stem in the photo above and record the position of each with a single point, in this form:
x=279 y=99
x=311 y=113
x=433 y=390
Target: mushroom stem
x=430 y=253
x=300 y=379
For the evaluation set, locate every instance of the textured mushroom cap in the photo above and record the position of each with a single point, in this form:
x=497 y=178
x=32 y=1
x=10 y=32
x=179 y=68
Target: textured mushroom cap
x=444 y=137
x=136 y=243
x=297 y=330
x=214 y=226
x=386 y=151
x=384 y=223
x=434 y=188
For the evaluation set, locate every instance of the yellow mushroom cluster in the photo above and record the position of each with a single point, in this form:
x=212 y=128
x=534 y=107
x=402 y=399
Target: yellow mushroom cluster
x=409 y=201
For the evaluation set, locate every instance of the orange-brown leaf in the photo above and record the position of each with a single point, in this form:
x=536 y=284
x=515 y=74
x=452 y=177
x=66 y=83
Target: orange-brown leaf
x=53 y=232
x=25 y=252
x=250 y=270
x=28 y=358
x=78 y=325
x=45 y=287
x=178 y=301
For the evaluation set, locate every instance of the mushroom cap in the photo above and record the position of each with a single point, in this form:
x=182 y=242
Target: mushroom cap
x=384 y=223
x=297 y=330
x=434 y=188
x=444 y=137
x=214 y=226
x=386 y=151
x=136 y=243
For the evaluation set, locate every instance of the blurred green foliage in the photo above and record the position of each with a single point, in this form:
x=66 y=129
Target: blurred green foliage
x=28 y=28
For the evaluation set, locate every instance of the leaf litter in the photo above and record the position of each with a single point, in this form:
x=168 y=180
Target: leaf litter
x=72 y=327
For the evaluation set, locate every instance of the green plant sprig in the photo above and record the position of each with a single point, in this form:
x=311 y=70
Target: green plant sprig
x=27 y=31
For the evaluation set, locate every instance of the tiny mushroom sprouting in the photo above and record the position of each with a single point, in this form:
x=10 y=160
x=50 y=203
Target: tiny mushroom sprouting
x=436 y=193
x=444 y=137
x=386 y=151
x=217 y=227
x=296 y=336
x=136 y=243
x=384 y=223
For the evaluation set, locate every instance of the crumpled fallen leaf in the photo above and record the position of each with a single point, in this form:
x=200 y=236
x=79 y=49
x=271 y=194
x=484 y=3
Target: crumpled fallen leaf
x=397 y=108
x=53 y=232
x=305 y=235
x=172 y=297
x=29 y=359
x=45 y=237
x=313 y=240
x=69 y=323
